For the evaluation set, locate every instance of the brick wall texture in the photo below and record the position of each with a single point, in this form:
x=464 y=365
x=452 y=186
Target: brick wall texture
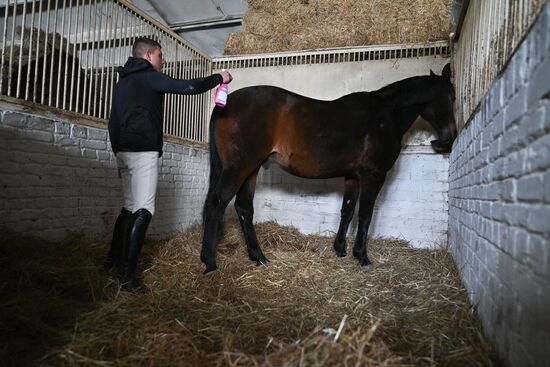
x=59 y=180
x=499 y=204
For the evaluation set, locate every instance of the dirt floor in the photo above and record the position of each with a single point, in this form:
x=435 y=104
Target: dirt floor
x=307 y=307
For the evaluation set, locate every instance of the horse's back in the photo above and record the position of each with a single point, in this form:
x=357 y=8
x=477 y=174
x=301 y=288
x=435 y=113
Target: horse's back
x=306 y=136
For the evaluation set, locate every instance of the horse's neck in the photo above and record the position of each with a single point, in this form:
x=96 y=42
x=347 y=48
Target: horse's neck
x=407 y=115
x=406 y=97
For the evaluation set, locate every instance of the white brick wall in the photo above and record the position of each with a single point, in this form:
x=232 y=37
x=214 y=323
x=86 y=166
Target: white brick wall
x=499 y=204
x=411 y=205
x=59 y=179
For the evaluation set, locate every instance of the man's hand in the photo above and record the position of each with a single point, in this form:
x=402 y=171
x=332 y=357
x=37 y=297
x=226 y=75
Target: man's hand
x=227 y=78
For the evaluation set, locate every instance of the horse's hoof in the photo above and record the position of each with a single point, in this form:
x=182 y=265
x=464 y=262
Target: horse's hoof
x=259 y=259
x=364 y=261
x=210 y=271
x=262 y=262
x=340 y=252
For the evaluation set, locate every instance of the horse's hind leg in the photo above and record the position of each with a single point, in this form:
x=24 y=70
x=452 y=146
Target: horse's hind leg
x=245 y=210
x=371 y=184
x=351 y=193
x=214 y=207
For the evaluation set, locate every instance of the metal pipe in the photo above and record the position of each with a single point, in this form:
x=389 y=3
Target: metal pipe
x=60 y=49
x=21 y=44
x=39 y=31
x=45 y=53
x=11 y=48
x=27 y=80
x=4 y=37
x=67 y=52
x=50 y=86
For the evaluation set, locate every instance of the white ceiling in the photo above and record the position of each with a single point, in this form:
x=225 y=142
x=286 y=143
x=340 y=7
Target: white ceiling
x=206 y=24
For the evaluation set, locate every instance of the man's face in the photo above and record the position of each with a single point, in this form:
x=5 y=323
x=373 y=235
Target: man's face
x=155 y=58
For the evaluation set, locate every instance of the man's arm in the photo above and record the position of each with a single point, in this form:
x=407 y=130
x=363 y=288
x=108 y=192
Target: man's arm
x=163 y=83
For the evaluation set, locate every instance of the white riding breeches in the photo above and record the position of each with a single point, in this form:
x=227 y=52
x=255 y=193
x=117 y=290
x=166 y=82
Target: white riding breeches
x=139 y=174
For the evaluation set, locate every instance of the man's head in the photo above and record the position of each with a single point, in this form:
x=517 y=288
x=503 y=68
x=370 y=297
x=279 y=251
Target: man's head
x=149 y=50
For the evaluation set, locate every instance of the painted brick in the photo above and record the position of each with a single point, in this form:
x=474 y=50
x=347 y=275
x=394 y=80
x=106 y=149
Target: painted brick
x=57 y=173
x=515 y=109
x=510 y=276
x=538 y=153
x=539 y=85
x=62 y=128
x=14 y=119
x=538 y=220
x=97 y=134
x=546 y=180
x=78 y=131
x=530 y=188
x=93 y=145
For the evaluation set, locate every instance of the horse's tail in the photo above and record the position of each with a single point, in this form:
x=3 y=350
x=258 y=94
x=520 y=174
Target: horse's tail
x=215 y=162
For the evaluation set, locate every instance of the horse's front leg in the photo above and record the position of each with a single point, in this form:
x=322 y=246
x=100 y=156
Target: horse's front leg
x=244 y=205
x=351 y=193
x=371 y=184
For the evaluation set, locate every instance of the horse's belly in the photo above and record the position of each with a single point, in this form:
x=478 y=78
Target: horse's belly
x=308 y=166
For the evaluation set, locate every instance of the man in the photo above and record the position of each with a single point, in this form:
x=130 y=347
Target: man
x=135 y=131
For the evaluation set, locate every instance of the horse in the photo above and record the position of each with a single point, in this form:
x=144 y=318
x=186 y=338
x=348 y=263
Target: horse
x=357 y=136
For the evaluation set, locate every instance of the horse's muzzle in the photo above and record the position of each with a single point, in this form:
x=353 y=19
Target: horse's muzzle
x=442 y=145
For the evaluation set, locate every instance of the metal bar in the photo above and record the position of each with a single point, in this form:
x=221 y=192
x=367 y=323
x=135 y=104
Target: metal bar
x=206 y=24
x=179 y=120
x=102 y=61
x=45 y=53
x=11 y=50
x=195 y=103
x=92 y=96
x=75 y=108
x=27 y=79
x=39 y=31
x=66 y=64
x=96 y=54
x=59 y=62
x=85 y=87
x=19 y=67
x=4 y=37
x=187 y=100
x=50 y=86
x=109 y=79
x=158 y=25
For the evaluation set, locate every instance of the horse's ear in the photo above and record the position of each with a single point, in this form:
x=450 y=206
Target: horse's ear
x=432 y=73
x=446 y=72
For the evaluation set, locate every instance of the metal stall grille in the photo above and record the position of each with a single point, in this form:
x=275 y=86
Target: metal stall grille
x=487 y=35
x=64 y=54
x=325 y=56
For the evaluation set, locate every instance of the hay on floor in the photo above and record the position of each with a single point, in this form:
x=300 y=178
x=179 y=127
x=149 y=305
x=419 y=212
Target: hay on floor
x=307 y=307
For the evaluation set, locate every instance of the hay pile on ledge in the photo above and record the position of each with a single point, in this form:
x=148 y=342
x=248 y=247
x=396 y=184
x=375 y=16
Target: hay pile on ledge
x=306 y=308
x=290 y=25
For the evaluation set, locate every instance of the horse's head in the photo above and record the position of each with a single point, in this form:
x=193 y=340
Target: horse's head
x=439 y=110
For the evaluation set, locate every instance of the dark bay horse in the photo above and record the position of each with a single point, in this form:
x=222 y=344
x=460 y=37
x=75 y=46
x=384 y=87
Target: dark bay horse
x=357 y=136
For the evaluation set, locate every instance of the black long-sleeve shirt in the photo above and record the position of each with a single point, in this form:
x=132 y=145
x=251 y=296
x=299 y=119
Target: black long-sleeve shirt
x=135 y=123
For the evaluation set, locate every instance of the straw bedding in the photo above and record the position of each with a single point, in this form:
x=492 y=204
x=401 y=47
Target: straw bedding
x=305 y=308
x=290 y=25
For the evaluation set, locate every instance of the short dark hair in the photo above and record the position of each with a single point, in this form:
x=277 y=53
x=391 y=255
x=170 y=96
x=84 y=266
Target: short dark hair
x=142 y=45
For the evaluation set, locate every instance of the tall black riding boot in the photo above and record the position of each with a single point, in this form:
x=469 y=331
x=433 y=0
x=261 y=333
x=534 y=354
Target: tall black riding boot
x=130 y=280
x=120 y=237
